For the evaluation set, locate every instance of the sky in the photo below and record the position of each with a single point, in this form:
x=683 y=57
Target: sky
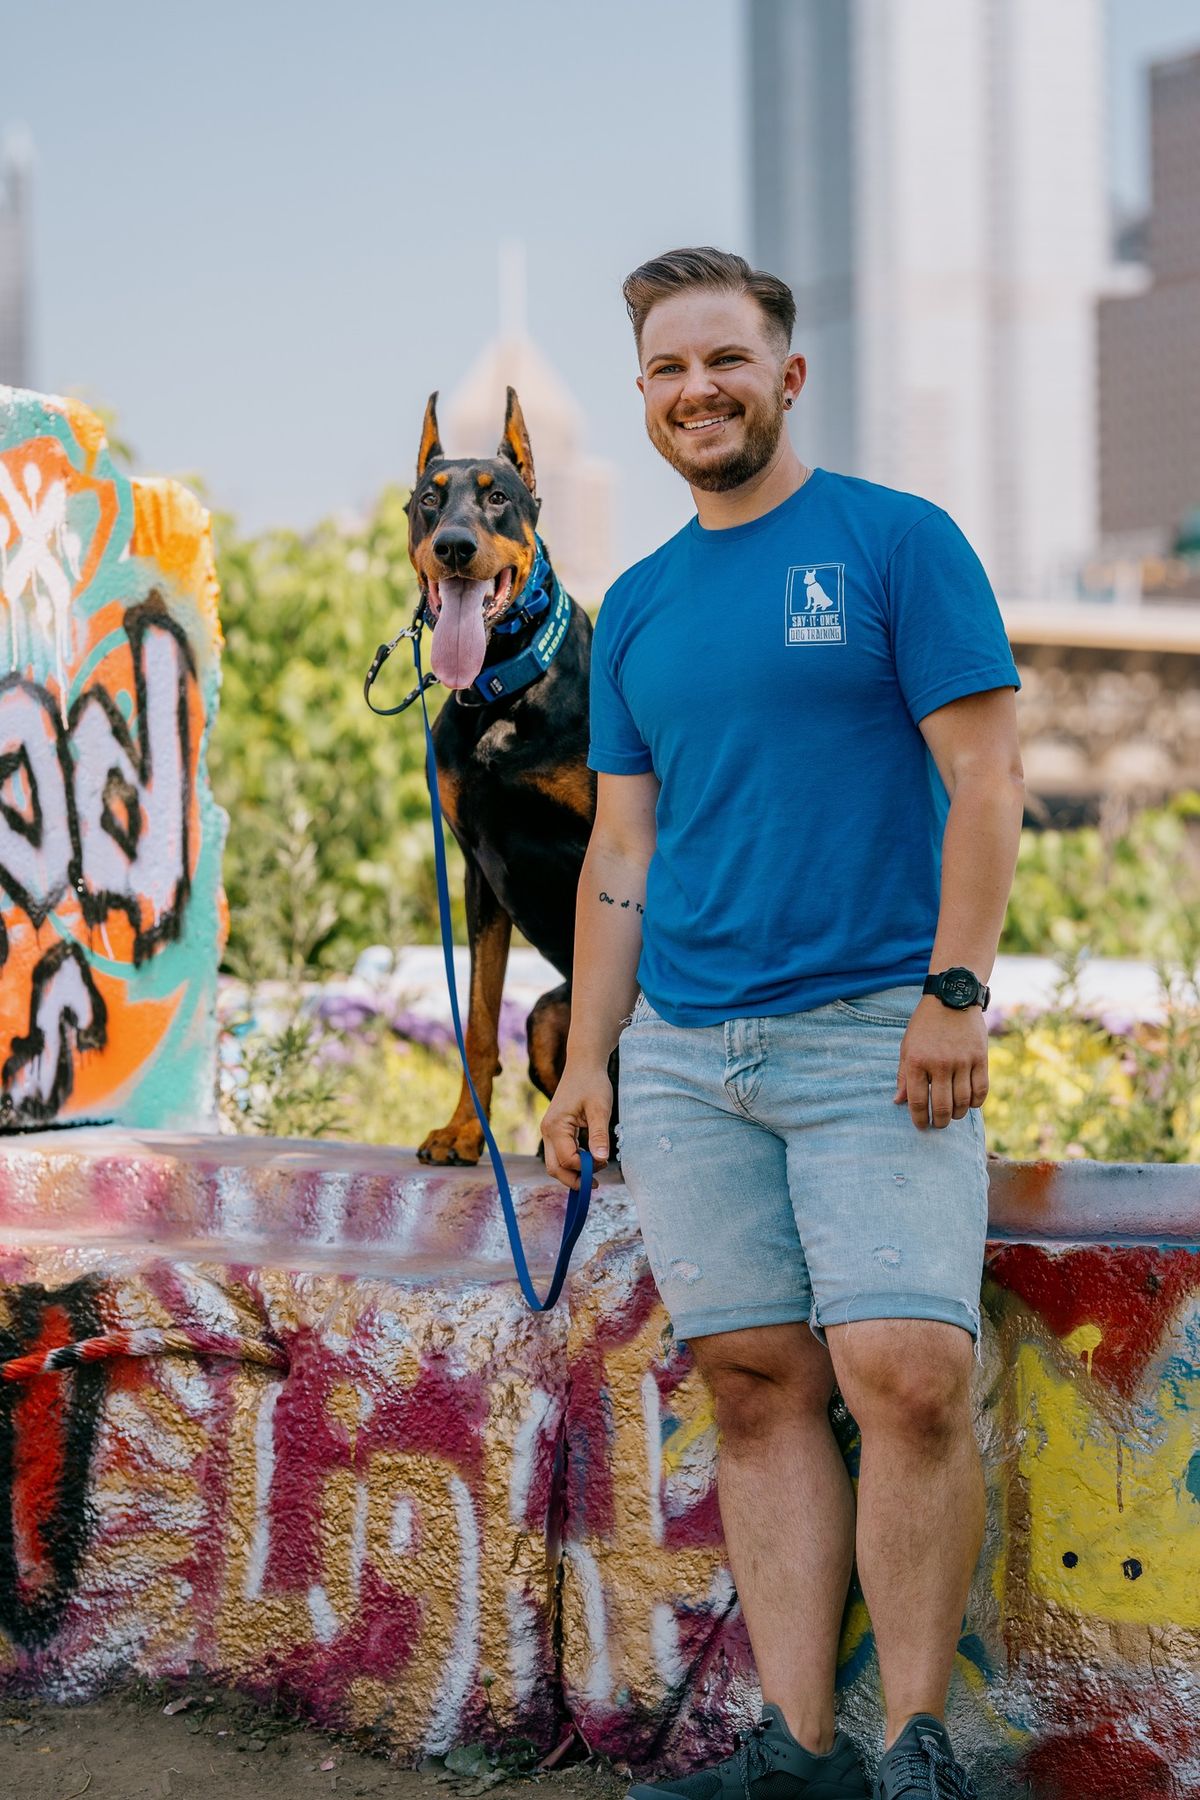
x=264 y=230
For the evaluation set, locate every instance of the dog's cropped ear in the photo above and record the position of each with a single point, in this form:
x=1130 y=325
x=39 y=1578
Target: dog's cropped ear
x=515 y=442
x=431 y=444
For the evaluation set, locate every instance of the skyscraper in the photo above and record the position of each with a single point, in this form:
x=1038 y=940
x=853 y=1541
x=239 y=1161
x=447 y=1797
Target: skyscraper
x=15 y=163
x=1150 y=341
x=929 y=177
x=576 y=489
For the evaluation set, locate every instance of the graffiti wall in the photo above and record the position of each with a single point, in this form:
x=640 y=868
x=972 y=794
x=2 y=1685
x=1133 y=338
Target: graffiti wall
x=308 y=1441
x=1078 y=1673
x=110 y=900
x=280 y=1414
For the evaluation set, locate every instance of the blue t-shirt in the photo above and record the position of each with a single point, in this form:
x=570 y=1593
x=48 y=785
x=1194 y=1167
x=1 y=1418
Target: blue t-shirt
x=773 y=676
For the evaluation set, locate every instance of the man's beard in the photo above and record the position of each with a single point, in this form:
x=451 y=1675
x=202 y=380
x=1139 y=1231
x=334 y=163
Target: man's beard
x=717 y=475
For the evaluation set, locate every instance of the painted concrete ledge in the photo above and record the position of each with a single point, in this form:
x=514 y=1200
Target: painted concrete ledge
x=317 y=1448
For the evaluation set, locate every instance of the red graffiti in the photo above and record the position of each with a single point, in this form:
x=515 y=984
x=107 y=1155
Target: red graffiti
x=1129 y=1292
x=39 y=1455
x=47 y=1426
x=1105 y=1764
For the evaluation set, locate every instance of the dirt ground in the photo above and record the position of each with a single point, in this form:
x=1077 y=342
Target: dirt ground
x=214 y=1747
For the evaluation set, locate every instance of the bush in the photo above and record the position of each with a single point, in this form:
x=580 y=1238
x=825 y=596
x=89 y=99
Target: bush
x=1131 y=892
x=298 y=761
x=1065 y=1085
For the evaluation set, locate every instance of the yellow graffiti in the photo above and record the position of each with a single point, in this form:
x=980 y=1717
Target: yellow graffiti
x=1084 y=1341
x=620 y=1591
x=1112 y=1527
x=856 y=1629
x=697 y=1432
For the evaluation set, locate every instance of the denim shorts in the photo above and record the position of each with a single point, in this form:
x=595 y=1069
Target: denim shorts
x=776 y=1179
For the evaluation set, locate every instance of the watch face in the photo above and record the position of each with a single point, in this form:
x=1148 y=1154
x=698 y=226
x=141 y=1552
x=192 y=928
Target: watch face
x=960 y=988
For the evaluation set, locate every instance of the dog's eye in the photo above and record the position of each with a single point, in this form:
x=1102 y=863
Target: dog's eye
x=497 y=499
x=429 y=500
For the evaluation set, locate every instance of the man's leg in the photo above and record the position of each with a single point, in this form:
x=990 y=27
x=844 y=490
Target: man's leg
x=787 y=1509
x=920 y=1498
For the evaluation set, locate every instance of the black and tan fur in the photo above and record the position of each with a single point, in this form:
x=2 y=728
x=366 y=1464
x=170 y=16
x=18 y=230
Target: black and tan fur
x=512 y=775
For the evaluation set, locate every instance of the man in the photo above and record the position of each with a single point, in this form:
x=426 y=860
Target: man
x=810 y=798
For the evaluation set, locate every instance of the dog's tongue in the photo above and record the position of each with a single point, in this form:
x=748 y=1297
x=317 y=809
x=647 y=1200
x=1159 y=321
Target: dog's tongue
x=459 y=639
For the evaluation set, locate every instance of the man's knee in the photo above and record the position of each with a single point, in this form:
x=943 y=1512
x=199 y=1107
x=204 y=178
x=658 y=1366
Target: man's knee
x=763 y=1379
x=906 y=1377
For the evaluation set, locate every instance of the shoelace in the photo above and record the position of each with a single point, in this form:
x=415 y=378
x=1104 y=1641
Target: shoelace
x=930 y=1772
x=753 y=1757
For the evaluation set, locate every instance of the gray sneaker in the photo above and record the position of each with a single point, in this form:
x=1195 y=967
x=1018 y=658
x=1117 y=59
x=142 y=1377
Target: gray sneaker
x=768 y=1764
x=921 y=1766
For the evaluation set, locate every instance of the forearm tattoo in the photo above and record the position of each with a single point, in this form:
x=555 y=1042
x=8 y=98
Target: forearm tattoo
x=623 y=904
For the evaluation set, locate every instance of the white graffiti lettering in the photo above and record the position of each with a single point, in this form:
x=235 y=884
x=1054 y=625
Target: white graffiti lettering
x=131 y=799
x=43 y=544
x=99 y=808
x=35 y=802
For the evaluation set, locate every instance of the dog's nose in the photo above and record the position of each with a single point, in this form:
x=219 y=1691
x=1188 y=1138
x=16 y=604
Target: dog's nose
x=455 y=548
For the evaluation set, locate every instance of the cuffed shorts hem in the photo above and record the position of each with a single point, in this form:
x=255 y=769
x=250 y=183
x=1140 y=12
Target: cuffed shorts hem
x=848 y=1312
x=896 y=1306
x=740 y=1318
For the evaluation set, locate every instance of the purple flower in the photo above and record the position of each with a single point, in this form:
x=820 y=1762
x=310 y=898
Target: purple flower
x=419 y=1028
x=344 y=1012
x=512 y=1024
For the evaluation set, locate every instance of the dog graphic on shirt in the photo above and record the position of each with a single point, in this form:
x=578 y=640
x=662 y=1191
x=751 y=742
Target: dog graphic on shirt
x=816 y=599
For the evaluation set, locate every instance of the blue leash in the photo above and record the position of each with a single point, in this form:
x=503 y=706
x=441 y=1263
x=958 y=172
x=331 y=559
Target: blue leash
x=578 y=1199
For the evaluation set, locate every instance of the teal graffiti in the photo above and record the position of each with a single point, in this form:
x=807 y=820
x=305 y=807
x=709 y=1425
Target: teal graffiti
x=1192 y=1479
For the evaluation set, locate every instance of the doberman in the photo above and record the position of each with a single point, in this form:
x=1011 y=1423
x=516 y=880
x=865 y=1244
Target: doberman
x=512 y=770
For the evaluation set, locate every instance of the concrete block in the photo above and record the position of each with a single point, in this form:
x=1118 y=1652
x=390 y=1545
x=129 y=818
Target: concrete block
x=1078 y=1672
x=111 y=910
x=367 y=1529
x=316 y=1447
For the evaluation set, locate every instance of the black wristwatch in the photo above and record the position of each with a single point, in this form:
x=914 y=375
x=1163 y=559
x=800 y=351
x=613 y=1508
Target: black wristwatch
x=958 y=988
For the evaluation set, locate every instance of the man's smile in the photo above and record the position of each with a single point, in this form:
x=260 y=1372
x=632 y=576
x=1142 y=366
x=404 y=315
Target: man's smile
x=709 y=422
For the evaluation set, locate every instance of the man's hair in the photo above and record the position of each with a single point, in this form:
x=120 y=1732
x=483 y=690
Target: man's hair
x=704 y=267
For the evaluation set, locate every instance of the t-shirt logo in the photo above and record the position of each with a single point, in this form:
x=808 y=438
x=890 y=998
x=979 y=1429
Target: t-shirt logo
x=816 y=603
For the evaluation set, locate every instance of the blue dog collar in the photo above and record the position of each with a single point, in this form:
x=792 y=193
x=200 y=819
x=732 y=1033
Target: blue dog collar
x=504 y=678
x=535 y=597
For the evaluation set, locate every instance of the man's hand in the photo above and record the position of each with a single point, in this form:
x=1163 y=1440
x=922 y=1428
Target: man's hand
x=943 y=1063
x=582 y=1101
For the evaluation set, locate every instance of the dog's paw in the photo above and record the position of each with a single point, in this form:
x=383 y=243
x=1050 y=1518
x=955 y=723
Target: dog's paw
x=452 y=1144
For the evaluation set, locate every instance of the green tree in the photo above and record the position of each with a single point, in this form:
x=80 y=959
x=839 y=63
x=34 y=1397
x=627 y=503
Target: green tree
x=1133 y=892
x=298 y=761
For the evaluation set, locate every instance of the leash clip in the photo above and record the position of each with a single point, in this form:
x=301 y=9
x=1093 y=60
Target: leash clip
x=412 y=631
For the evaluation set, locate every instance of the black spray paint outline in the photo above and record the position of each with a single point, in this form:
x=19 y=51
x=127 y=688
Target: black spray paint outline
x=16 y=762
x=20 y=824
x=92 y=1035
x=31 y=1622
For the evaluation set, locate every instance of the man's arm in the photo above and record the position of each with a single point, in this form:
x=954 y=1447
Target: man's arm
x=608 y=942
x=943 y=1057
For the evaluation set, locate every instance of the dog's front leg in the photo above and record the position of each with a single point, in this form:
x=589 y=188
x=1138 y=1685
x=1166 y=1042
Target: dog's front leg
x=489 y=930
